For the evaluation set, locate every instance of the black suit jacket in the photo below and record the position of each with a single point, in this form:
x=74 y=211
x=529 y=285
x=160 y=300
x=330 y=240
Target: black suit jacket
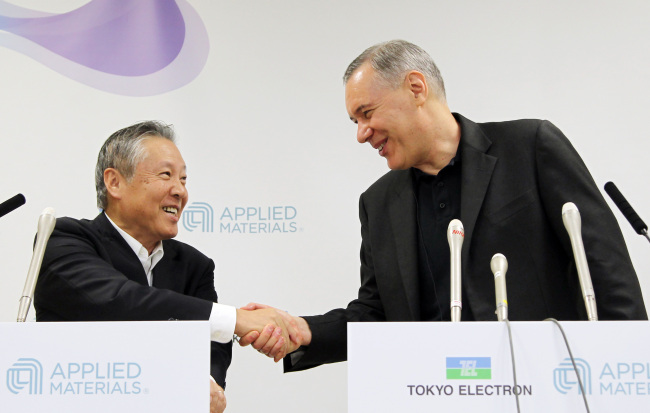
x=90 y=273
x=516 y=176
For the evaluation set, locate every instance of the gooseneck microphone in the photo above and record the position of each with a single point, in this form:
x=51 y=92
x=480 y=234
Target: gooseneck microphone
x=573 y=225
x=499 y=267
x=637 y=223
x=45 y=227
x=455 y=237
x=11 y=204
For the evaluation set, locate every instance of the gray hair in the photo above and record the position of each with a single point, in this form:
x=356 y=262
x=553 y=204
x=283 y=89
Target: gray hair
x=393 y=59
x=124 y=150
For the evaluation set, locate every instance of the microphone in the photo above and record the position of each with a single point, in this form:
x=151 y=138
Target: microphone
x=11 y=204
x=499 y=267
x=573 y=225
x=45 y=227
x=637 y=223
x=455 y=237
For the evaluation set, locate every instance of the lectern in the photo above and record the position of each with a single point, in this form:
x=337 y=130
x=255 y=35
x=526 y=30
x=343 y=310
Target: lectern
x=112 y=367
x=467 y=367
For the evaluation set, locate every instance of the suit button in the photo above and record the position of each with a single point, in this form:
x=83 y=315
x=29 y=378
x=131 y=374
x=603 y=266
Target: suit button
x=442 y=205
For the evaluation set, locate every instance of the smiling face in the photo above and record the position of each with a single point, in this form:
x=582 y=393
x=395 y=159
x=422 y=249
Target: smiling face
x=389 y=119
x=149 y=205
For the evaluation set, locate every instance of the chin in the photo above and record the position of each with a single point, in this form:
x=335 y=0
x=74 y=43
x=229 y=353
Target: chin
x=171 y=233
x=396 y=167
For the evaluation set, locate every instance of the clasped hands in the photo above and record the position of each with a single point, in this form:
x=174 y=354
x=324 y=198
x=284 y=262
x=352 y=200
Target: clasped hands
x=270 y=331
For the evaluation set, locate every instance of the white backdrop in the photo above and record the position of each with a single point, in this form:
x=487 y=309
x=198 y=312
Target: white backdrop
x=264 y=125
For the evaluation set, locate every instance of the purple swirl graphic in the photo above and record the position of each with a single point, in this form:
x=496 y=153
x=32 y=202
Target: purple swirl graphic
x=127 y=47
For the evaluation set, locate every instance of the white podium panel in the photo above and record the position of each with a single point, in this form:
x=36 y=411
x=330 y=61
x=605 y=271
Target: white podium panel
x=105 y=367
x=466 y=367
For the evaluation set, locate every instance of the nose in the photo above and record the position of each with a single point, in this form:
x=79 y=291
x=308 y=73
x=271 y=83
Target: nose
x=178 y=189
x=364 y=132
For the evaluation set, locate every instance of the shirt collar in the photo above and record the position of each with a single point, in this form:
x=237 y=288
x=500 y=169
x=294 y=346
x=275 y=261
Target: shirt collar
x=139 y=249
x=419 y=175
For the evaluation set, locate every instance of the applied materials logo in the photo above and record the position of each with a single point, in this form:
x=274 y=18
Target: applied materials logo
x=610 y=378
x=25 y=376
x=273 y=219
x=469 y=368
x=565 y=379
x=198 y=216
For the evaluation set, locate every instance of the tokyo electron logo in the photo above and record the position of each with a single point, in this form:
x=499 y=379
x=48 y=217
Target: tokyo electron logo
x=469 y=368
x=25 y=376
x=565 y=379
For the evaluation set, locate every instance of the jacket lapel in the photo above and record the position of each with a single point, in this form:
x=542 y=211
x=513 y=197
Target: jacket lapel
x=477 y=168
x=121 y=255
x=165 y=273
x=403 y=213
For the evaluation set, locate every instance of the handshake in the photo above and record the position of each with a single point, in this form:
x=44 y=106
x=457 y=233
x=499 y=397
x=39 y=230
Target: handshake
x=272 y=332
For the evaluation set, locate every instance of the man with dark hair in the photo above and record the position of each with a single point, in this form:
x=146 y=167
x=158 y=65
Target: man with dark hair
x=506 y=182
x=124 y=264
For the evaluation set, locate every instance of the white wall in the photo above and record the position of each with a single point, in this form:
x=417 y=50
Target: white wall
x=264 y=125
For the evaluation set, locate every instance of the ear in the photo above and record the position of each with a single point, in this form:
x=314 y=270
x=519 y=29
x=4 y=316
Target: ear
x=114 y=182
x=417 y=85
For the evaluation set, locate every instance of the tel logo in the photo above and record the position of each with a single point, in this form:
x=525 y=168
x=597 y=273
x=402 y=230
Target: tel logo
x=469 y=368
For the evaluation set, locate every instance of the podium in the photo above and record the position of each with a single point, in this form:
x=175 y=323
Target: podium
x=467 y=367
x=125 y=367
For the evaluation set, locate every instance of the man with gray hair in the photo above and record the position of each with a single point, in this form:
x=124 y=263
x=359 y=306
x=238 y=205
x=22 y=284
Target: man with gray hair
x=124 y=264
x=506 y=182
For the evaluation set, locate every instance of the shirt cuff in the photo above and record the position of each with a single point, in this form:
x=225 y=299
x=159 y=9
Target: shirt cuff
x=222 y=322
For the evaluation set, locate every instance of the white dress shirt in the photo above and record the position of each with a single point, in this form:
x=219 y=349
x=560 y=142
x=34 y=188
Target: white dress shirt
x=222 y=317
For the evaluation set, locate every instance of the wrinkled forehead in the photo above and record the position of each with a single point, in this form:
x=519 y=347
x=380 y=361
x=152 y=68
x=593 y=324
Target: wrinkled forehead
x=162 y=151
x=362 y=89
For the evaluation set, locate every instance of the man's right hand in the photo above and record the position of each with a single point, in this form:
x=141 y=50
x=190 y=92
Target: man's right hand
x=274 y=334
x=267 y=342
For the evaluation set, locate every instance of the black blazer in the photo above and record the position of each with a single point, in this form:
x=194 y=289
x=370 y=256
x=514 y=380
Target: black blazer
x=516 y=176
x=90 y=273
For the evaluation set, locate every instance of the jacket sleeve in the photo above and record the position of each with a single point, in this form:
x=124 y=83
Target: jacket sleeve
x=563 y=177
x=220 y=353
